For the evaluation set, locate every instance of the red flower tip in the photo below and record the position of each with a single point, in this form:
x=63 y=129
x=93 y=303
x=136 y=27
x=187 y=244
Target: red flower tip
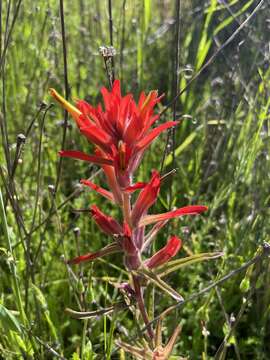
x=165 y=254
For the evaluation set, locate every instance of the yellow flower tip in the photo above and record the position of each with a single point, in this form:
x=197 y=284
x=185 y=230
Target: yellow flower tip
x=74 y=112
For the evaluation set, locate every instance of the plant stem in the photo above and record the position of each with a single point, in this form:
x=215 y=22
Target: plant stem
x=67 y=91
x=141 y=305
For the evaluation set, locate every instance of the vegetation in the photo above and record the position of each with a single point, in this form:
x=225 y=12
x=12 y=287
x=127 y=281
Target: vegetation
x=220 y=152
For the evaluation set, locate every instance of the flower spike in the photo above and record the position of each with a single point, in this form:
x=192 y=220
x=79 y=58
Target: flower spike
x=120 y=131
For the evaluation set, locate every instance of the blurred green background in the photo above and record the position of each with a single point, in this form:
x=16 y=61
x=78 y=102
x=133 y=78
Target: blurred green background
x=221 y=156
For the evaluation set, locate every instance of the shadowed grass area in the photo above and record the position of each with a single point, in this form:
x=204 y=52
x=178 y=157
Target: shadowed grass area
x=220 y=152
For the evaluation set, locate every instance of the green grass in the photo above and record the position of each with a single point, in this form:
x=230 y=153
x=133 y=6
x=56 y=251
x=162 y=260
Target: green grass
x=222 y=160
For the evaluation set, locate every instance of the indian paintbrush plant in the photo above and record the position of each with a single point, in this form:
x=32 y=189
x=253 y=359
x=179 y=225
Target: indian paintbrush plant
x=121 y=132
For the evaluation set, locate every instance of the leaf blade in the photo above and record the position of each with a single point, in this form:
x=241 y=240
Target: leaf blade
x=189 y=260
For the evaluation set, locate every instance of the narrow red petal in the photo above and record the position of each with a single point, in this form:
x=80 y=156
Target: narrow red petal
x=187 y=210
x=107 y=194
x=165 y=254
x=85 y=157
x=142 y=144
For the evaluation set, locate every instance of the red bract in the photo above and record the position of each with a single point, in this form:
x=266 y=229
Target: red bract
x=187 y=210
x=107 y=194
x=132 y=257
x=146 y=198
x=85 y=157
x=122 y=131
x=108 y=224
x=107 y=250
x=165 y=254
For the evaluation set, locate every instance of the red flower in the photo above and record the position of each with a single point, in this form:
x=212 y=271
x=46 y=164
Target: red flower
x=165 y=254
x=122 y=131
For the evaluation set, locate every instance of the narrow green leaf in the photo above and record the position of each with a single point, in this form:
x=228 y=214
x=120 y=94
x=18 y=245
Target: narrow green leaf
x=8 y=320
x=189 y=260
x=155 y=279
x=46 y=313
x=90 y=314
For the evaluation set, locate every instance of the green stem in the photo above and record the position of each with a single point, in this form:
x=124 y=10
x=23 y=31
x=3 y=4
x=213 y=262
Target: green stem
x=85 y=326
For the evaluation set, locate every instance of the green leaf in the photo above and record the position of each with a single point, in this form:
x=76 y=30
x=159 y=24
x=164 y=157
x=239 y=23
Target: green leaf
x=155 y=279
x=90 y=314
x=8 y=320
x=174 y=265
x=44 y=306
